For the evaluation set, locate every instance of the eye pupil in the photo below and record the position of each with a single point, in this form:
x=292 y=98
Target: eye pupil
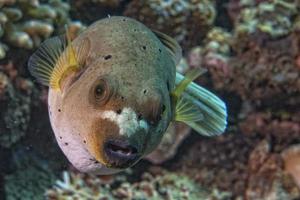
x=99 y=90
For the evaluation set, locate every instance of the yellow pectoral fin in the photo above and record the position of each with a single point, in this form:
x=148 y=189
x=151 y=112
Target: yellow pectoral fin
x=189 y=77
x=56 y=58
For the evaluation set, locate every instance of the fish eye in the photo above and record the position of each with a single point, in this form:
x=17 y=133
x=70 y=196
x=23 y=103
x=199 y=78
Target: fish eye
x=100 y=90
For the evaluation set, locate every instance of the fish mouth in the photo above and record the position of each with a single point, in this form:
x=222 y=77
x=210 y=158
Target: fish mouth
x=120 y=154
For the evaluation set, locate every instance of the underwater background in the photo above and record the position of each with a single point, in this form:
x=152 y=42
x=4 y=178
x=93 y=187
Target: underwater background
x=251 y=50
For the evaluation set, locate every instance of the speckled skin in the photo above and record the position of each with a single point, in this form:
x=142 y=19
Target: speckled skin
x=139 y=72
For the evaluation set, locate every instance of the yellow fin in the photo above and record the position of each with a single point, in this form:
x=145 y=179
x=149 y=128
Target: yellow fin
x=172 y=45
x=56 y=58
x=189 y=77
x=187 y=112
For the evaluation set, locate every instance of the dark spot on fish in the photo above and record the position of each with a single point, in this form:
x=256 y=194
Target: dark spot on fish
x=66 y=143
x=134 y=30
x=91 y=159
x=60 y=137
x=140 y=116
x=96 y=162
x=145 y=91
x=59 y=110
x=107 y=57
x=84 y=141
x=123 y=98
x=119 y=111
x=124 y=20
x=144 y=47
x=159 y=50
x=163 y=108
x=50 y=112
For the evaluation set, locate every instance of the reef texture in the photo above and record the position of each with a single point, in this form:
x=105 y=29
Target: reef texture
x=187 y=21
x=167 y=148
x=155 y=184
x=251 y=50
x=25 y=24
x=15 y=102
x=30 y=179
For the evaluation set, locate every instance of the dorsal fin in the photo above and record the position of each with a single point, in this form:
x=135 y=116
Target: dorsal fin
x=56 y=58
x=171 y=44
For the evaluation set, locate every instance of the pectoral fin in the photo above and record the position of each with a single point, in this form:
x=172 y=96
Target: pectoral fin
x=55 y=59
x=213 y=118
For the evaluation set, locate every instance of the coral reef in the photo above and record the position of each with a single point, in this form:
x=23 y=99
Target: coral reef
x=25 y=24
x=267 y=179
x=291 y=158
x=15 y=101
x=156 y=184
x=30 y=179
x=187 y=21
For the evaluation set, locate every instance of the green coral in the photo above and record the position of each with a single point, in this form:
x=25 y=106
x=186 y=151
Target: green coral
x=25 y=24
x=164 y=185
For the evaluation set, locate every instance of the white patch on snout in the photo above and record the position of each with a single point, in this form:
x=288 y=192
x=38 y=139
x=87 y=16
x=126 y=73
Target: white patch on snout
x=126 y=120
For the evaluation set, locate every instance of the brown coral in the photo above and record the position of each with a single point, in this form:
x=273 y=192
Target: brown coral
x=291 y=157
x=267 y=179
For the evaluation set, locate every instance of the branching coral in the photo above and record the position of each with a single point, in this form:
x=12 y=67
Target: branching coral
x=187 y=21
x=25 y=24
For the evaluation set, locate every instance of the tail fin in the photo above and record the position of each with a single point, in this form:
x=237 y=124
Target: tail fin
x=213 y=109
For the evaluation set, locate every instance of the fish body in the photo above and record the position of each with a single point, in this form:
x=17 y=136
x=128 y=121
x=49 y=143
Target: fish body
x=113 y=93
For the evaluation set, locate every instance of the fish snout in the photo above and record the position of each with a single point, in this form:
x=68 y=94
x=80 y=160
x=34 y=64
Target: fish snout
x=120 y=154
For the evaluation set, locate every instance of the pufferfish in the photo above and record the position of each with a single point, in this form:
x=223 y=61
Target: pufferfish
x=114 y=90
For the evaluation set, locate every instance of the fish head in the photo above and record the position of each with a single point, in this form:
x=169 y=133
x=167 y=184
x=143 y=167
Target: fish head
x=115 y=123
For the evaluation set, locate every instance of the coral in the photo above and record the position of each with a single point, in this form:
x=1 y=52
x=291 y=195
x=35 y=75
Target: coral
x=187 y=21
x=156 y=184
x=109 y=3
x=267 y=179
x=291 y=158
x=29 y=181
x=219 y=162
x=15 y=100
x=274 y=17
x=25 y=24
x=283 y=127
x=259 y=60
x=173 y=137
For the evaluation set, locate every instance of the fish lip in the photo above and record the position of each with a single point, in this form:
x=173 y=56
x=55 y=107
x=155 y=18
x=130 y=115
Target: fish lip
x=116 y=159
